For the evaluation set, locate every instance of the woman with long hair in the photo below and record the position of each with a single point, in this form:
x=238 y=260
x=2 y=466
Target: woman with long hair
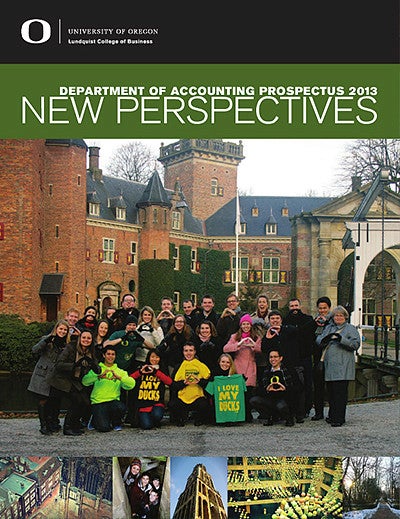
x=171 y=348
x=151 y=331
x=49 y=347
x=101 y=334
x=72 y=364
x=207 y=347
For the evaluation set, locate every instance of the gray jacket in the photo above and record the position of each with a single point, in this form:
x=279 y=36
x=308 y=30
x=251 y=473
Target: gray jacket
x=339 y=358
x=45 y=366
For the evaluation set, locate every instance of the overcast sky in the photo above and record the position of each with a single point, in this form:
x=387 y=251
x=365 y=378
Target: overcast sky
x=280 y=167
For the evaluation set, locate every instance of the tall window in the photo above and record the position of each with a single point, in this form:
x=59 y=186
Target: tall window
x=193 y=260
x=243 y=269
x=176 y=258
x=134 y=252
x=270 y=269
x=176 y=220
x=214 y=187
x=369 y=311
x=108 y=249
x=177 y=300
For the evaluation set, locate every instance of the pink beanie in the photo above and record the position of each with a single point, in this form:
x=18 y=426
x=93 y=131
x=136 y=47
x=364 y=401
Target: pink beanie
x=246 y=318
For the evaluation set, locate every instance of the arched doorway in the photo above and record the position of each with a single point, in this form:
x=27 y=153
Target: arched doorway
x=109 y=295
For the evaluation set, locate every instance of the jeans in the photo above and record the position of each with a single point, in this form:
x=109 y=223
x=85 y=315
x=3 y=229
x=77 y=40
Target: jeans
x=107 y=415
x=148 y=420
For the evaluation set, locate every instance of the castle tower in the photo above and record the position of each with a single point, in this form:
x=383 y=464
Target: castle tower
x=200 y=499
x=206 y=170
x=43 y=226
x=154 y=216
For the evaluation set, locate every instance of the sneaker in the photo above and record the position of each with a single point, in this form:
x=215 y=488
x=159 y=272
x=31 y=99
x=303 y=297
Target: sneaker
x=90 y=426
x=117 y=428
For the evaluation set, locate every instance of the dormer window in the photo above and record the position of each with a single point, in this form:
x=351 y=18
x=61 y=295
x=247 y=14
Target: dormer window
x=176 y=220
x=242 y=228
x=270 y=228
x=254 y=211
x=120 y=213
x=94 y=209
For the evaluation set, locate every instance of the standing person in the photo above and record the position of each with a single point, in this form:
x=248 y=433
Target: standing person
x=88 y=321
x=171 y=348
x=151 y=331
x=228 y=322
x=166 y=316
x=321 y=320
x=190 y=380
x=151 y=382
x=260 y=326
x=72 y=317
x=339 y=340
x=244 y=344
x=207 y=311
x=128 y=308
x=305 y=325
x=207 y=344
x=101 y=334
x=71 y=365
x=107 y=409
x=277 y=391
x=260 y=316
x=49 y=347
x=191 y=313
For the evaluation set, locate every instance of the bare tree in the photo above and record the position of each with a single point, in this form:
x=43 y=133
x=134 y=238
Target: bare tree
x=133 y=161
x=365 y=158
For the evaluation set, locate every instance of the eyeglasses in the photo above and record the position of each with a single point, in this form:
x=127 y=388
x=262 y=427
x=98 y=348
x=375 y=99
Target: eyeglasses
x=232 y=301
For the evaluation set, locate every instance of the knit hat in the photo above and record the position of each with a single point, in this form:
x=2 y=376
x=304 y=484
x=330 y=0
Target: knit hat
x=136 y=461
x=246 y=318
x=131 y=319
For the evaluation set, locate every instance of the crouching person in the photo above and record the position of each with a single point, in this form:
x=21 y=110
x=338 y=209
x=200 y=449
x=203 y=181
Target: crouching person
x=107 y=409
x=277 y=394
x=188 y=390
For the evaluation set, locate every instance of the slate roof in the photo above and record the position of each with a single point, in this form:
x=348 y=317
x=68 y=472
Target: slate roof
x=132 y=193
x=222 y=222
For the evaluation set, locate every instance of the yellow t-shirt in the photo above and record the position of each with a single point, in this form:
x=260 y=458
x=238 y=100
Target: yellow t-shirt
x=194 y=368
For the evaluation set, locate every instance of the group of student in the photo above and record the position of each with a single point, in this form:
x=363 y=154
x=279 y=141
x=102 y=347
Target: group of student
x=143 y=490
x=131 y=365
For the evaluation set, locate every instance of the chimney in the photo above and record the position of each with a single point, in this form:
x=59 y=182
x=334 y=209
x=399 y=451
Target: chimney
x=94 y=153
x=355 y=183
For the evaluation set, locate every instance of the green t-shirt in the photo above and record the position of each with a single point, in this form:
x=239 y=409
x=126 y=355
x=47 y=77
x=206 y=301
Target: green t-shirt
x=228 y=393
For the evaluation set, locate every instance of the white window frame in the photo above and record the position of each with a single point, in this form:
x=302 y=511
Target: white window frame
x=177 y=300
x=244 y=266
x=134 y=249
x=193 y=260
x=176 y=220
x=214 y=186
x=176 y=258
x=270 y=228
x=271 y=274
x=120 y=213
x=108 y=250
x=94 y=209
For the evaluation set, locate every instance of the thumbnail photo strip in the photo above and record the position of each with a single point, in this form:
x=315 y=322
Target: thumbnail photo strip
x=182 y=487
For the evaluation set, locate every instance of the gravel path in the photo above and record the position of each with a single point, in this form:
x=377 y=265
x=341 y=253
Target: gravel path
x=372 y=429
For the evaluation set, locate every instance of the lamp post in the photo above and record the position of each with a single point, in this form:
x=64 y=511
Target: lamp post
x=384 y=174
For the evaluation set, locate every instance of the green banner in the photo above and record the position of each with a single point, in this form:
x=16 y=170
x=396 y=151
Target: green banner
x=207 y=100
